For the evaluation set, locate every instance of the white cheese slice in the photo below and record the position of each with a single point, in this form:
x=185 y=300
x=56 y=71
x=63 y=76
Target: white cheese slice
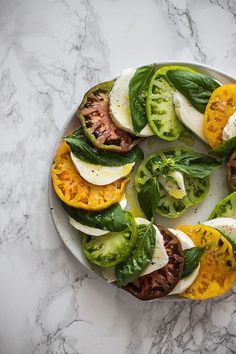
x=123 y=203
x=186 y=282
x=174 y=184
x=98 y=174
x=146 y=132
x=109 y=274
x=189 y=116
x=185 y=240
x=225 y=225
x=120 y=107
x=88 y=230
x=229 y=130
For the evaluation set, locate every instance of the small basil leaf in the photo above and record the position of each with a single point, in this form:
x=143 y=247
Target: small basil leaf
x=138 y=88
x=81 y=148
x=110 y=219
x=225 y=149
x=148 y=197
x=139 y=258
x=195 y=164
x=196 y=87
x=192 y=258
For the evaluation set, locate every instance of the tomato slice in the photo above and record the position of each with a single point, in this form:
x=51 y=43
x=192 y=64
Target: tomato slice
x=168 y=206
x=225 y=208
x=113 y=248
x=97 y=123
x=160 y=107
x=217 y=266
x=221 y=106
x=73 y=190
x=161 y=282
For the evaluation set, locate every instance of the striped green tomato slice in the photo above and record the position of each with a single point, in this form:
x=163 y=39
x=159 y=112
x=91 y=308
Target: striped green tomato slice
x=160 y=107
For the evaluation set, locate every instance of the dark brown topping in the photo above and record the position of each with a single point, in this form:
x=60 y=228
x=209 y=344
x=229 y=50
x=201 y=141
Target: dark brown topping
x=99 y=123
x=162 y=281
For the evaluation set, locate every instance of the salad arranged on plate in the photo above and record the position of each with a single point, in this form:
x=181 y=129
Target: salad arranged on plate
x=97 y=162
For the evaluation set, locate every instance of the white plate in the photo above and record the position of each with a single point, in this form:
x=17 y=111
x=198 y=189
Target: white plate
x=218 y=190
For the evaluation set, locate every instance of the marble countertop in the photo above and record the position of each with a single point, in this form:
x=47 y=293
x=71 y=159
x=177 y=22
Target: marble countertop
x=50 y=53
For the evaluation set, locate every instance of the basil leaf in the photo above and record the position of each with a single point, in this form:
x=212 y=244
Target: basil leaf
x=195 y=164
x=225 y=149
x=148 y=197
x=81 y=148
x=192 y=258
x=138 y=87
x=196 y=87
x=139 y=258
x=110 y=219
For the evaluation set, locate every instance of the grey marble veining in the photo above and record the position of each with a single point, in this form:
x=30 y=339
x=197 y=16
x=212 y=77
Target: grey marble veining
x=50 y=53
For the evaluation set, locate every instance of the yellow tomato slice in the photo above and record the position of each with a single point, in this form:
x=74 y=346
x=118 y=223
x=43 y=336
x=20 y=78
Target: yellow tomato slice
x=221 y=105
x=73 y=190
x=217 y=267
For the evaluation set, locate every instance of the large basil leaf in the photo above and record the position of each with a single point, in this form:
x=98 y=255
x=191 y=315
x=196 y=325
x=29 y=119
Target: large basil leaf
x=110 y=219
x=225 y=149
x=81 y=148
x=196 y=164
x=192 y=258
x=148 y=197
x=196 y=87
x=139 y=258
x=138 y=88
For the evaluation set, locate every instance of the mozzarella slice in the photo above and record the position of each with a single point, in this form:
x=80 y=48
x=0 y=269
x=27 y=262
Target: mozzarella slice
x=225 y=225
x=229 y=130
x=123 y=203
x=119 y=104
x=109 y=274
x=189 y=116
x=88 y=230
x=185 y=240
x=174 y=184
x=185 y=282
x=146 y=131
x=98 y=174
x=159 y=259
x=93 y=231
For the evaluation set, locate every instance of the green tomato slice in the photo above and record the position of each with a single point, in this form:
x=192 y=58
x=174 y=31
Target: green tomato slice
x=226 y=208
x=160 y=107
x=113 y=248
x=168 y=206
